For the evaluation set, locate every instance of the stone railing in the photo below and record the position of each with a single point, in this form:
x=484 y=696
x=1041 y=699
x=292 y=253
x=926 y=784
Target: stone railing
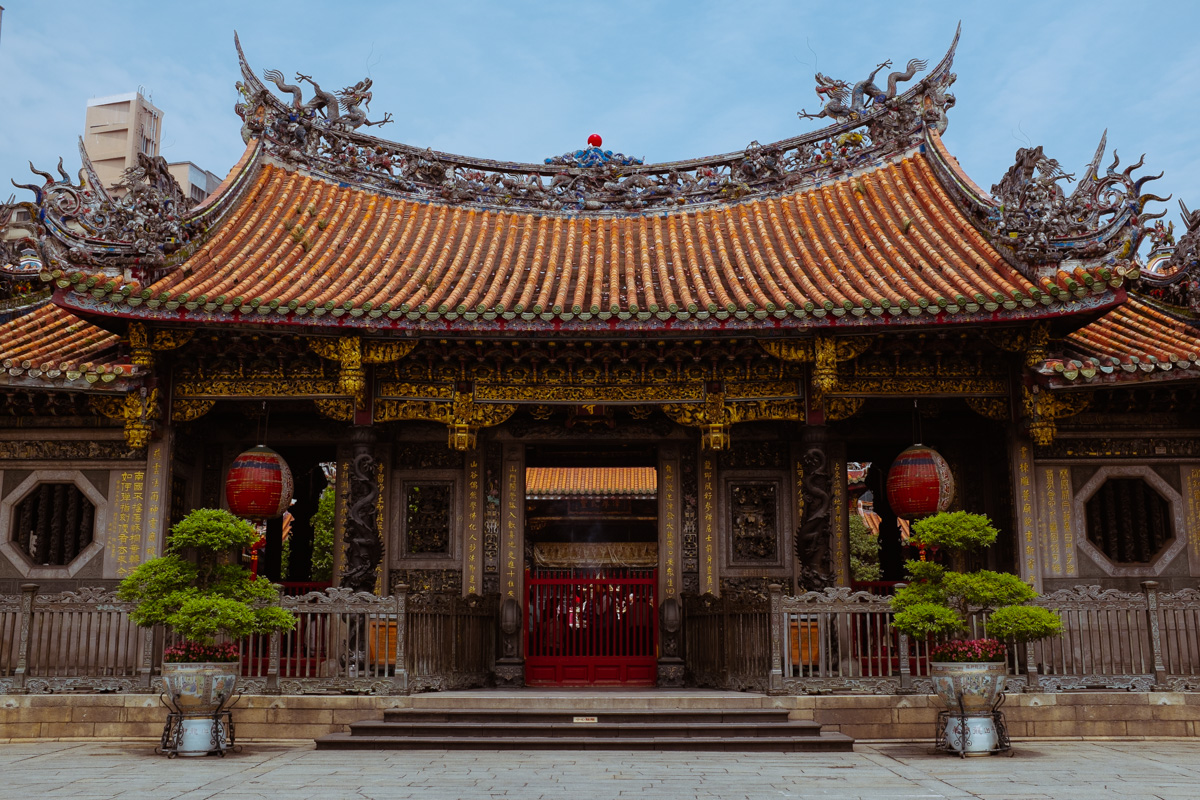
x=343 y=641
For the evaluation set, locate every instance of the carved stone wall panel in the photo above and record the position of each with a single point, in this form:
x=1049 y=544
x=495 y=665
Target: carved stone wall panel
x=427 y=510
x=429 y=581
x=751 y=454
x=753 y=519
x=58 y=450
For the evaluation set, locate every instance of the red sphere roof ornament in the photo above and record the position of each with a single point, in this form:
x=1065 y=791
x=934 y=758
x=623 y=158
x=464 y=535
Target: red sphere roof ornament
x=594 y=140
x=259 y=484
x=919 y=483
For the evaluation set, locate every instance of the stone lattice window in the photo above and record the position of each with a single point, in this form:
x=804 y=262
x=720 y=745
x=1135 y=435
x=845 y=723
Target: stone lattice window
x=53 y=524
x=752 y=511
x=427 y=508
x=1129 y=521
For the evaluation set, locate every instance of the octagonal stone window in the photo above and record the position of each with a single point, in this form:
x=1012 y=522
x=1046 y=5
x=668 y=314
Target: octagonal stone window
x=1129 y=521
x=53 y=524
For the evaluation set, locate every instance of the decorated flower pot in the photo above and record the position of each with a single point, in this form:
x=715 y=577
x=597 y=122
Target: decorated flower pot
x=968 y=687
x=200 y=687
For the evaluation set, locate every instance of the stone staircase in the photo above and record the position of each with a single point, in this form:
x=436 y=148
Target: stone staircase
x=588 y=722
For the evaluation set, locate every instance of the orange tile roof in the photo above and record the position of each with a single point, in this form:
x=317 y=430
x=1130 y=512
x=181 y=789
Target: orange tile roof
x=1135 y=340
x=52 y=344
x=554 y=483
x=887 y=243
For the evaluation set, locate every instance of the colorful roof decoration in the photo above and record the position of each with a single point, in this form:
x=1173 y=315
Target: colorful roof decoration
x=558 y=483
x=1134 y=341
x=51 y=347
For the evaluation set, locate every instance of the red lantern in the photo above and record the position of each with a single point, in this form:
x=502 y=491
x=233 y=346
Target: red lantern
x=594 y=140
x=259 y=484
x=919 y=483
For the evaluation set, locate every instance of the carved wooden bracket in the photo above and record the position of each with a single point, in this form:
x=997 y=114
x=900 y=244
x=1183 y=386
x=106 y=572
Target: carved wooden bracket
x=714 y=416
x=1033 y=342
x=184 y=410
x=143 y=342
x=462 y=415
x=996 y=408
x=352 y=353
x=137 y=410
x=1042 y=410
x=823 y=351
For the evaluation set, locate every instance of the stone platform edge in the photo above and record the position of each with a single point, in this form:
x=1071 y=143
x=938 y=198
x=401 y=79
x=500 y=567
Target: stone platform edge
x=1068 y=715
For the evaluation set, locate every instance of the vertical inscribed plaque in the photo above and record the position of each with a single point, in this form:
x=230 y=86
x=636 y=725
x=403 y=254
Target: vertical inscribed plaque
x=669 y=524
x=1024 y=508
x=126 y=548
x=473 y=530
x=708 y=523
x=1192 y=504
x=512 y=557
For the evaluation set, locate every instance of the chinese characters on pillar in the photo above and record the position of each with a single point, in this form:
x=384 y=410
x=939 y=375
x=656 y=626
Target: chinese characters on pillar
x=670 y=492
x=840 y=533
x=474 y=523
x=131 y=500
x=513 y=501
x=1029 y=546
x=1193 y=516
x=708 y=506
x=154 y=499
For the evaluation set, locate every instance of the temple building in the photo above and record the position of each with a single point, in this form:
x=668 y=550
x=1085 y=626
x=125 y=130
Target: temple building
x=597 y=381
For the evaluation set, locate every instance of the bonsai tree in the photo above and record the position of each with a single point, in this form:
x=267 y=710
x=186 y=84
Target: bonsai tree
x=939 y=601
x=196 y=589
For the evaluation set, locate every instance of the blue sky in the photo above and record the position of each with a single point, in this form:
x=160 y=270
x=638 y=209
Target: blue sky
x=522 y=81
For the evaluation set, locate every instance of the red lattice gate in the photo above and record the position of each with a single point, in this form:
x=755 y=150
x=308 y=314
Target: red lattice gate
x=591 y=627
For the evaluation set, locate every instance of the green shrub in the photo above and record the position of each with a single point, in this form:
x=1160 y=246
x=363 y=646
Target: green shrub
x=864 y=551
x=204 y=598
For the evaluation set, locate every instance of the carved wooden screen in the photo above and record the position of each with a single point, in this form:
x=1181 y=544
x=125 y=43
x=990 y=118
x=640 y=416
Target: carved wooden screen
x=427 y=509
x=753 y=521
x=1128 y=521
x=53 y=523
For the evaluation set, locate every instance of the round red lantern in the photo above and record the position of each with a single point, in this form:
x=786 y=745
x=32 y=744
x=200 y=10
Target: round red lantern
x=594 y=140
x=919 y=483
x=259 y=484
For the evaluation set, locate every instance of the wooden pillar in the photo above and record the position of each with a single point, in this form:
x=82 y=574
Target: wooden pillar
x=510 y=667
x=670 y=664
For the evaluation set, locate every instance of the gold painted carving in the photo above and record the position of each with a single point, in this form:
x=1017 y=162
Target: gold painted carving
x=139 y=346
x=843 y=407
x=417 y=391
x=588 y=395
x=1033 y=341
x=996 y=408
x=463 y=416
x=170 y=340
x=1042 y=410
x=715 y=415
x=256 y=385
x=138 y=413
x=823 y=351
x=385 y=352
x=791 y=350
x=338 y=408
x=948 y=385
x=183 y=410
x=352 y=353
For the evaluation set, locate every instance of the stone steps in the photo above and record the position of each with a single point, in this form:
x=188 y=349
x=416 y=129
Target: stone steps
x=588 y=728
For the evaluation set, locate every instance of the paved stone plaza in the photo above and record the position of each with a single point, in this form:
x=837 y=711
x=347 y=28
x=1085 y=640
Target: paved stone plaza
x=1039 y=771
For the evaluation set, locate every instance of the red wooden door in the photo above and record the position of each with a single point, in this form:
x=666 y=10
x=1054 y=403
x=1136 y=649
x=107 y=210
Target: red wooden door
x=591 y=627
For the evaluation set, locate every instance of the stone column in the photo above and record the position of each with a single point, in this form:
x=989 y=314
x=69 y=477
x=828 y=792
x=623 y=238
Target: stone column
x=670 y=664
x=364 y=547
x=510 y=666
x=818 y=487
x=1029 y=560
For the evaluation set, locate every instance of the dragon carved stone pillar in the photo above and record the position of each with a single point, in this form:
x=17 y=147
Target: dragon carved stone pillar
x=364 y=547
x=815 y=532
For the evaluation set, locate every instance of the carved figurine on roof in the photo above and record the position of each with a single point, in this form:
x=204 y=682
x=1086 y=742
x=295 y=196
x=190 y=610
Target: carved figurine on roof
x=1172 y=271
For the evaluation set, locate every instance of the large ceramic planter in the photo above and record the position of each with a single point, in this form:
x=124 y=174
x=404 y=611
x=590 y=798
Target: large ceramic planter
x=970 y=691
x=199 y=691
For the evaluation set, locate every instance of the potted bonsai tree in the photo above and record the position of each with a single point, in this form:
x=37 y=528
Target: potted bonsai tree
x=968 y=674
x=199 y=591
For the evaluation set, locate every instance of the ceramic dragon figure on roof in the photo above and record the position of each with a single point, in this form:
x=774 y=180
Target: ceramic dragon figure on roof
x=862 y=96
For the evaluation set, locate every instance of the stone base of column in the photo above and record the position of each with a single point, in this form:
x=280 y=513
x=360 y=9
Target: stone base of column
x=670 y=673
x=510 y=673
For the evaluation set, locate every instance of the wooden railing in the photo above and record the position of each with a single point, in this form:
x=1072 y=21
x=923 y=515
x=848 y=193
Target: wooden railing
x=343 y=641
x=840 y=641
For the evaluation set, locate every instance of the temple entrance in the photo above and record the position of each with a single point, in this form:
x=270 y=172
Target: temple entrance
x=591 y=520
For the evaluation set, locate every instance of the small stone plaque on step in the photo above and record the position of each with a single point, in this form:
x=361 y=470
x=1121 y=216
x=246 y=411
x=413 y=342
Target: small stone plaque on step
x=586 y=719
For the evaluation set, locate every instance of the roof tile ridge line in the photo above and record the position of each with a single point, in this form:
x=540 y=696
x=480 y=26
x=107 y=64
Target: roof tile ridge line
x=867 y=234
x=803 y=240
x=31 y=332
x=229 y=242
x=292 y=259
x=527 y=265
x=429 y=247
x=249 y=159
x=500 y=280
x=633 y=299
x=941 y=157
x=407 y=244
x=755 y=274
x=886 y=208
x=758 y=233
x=941 y=232
x=366 y=288
x=334 y=273
x=975 y=237
x=1110 y=341
x=928 y=253
x=382 y=223
x=806 y=291
x=857 y=264
x=646 y=269
x=1151 y=308
x=449 y=260
x=255 y=239
x=514 y=268
x=668 y=270
x=556 y=271
x=717 y=273
x=837 y=285
x=599 y=264
x=1144 y=327
x=502 y=231
x=688 y=272
x=490 y=223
